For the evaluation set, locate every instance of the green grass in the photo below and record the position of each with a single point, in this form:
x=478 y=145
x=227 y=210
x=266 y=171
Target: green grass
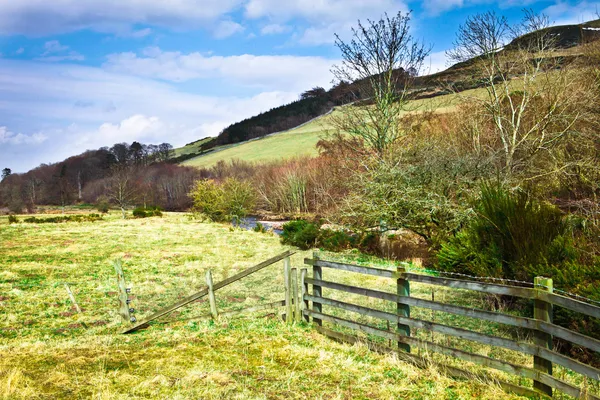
x=47 y=353
x=189 y=148
x=300 y=141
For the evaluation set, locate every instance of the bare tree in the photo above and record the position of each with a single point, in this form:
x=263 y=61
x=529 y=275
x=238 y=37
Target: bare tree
x=121 y=186
x=527 y=99
x=381 y=60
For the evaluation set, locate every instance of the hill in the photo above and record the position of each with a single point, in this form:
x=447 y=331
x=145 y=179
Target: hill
x=284 y=131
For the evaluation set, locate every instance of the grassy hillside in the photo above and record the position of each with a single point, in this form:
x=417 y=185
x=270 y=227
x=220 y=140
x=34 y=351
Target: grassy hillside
x=47 y=353
x=302 y=140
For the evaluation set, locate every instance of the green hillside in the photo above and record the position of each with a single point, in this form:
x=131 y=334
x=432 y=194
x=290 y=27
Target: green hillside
x=300 y=141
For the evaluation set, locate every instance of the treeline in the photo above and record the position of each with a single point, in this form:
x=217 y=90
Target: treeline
x=90 y=177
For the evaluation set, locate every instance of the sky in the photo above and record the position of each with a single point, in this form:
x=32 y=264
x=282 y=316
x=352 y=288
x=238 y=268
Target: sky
x=82 y=74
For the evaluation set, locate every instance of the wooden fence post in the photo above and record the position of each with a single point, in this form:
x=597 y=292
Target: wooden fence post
x=317 y=290
x=303 y=273
x=289 y=317
x=295 y=293
x=123 y=298
x=542 y=311
x=211 y=295
x=72 y=297
x=403 y=310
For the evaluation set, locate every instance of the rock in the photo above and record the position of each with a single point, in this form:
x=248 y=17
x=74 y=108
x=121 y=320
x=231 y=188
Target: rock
x=404 y=244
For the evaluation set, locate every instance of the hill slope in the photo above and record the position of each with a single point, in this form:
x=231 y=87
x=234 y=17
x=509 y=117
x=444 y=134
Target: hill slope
x=267 y=144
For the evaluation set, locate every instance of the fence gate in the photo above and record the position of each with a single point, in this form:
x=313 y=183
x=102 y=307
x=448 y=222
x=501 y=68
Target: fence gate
x=398 y=337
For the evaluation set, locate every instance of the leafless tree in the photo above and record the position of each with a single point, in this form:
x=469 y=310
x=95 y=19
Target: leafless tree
x=527 y=91
x=121 y=187
x=381 y=60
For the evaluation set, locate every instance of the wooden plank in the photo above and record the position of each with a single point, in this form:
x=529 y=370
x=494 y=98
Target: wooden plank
x=571 y=304
x=288 y=290
x=305 y=305
x=526 y=348
x=525 y=293
x=226 y=314
x=402 y=309
x=520 y=322
x=211 y=295
x=295 y=294
x=470 y=357
x=317 y=290
x=385 y=273
x=542 y=311
x=204 y=292
x=123 y=303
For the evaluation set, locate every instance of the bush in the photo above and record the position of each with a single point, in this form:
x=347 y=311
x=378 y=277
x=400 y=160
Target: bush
x=64 y=218
x=512 y=236
x=145 y=212
x=239 y=198
x=300 y=233
x=260 y=228
x=334 y=240
x=234 y=199
x=103 y=206
x=12 y=219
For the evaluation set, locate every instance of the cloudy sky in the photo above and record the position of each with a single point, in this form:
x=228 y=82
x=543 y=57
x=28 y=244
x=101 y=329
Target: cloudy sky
x=81 y=74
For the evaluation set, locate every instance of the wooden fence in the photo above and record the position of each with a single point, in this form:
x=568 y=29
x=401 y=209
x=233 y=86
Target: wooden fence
x=211 y=288
x=541 y=325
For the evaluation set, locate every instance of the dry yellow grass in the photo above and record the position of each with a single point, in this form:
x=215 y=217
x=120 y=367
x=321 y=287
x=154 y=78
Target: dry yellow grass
x=46 y=353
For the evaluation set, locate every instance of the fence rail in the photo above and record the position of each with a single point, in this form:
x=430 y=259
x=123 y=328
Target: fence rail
x=541 y=325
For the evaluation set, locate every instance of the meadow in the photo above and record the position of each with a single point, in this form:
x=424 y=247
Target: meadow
x=49 y=351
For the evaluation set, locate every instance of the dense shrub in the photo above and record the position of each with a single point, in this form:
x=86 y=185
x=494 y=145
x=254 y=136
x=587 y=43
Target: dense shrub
x=300 y=233
x=103 y=206
x=512 y=236
x=233 y=199
x=145 y=212
x=12 y=219
x=337 y=240
x=64 y=218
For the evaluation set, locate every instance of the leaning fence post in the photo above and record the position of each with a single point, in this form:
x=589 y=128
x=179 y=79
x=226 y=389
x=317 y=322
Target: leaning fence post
x=297 y=316
x=403 y=310
x=317 y=290
x=211 y=295
x=288 y=290
x=72 y=297
x=303 y=273
x=542 y=311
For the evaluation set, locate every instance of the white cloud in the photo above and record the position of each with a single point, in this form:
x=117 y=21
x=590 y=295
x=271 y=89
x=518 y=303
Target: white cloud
x=90 y=107
x=563 y=13
x=7 y=137
x=21 y=50
x=268 y=72
x=41 y=17
x=140 y=33
x=319 y=10
x=325 y=17
x=436 y=62
x=437 y=7
x=274 y=29
x=227 y=28
x=55 y=52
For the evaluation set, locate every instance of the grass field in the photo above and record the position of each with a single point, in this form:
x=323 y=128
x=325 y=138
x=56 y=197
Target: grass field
x=46 y=352
x=299 y=141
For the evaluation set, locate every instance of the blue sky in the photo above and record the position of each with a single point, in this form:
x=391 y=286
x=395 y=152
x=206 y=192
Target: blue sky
x=81 y=74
